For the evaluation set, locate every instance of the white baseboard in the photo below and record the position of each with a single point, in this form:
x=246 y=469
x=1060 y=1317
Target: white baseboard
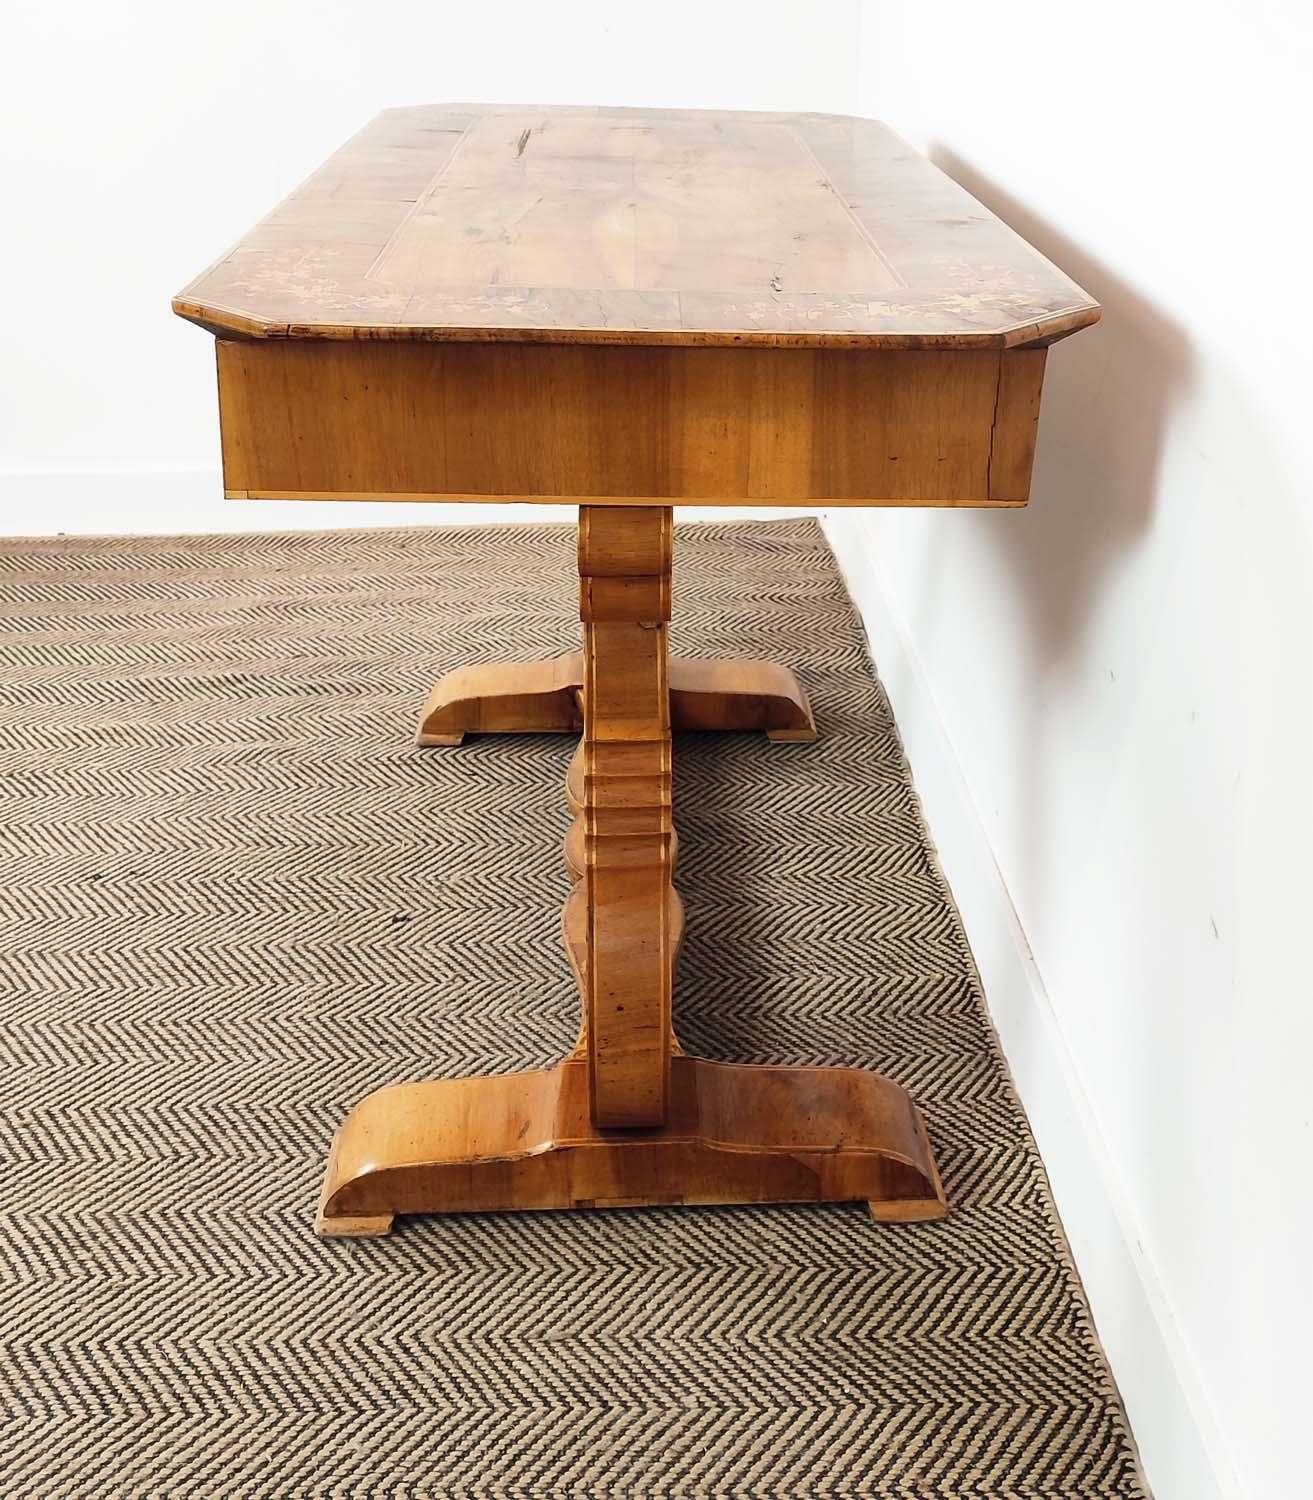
x=139 y=502
x=1179 y=1439
x=142 y=502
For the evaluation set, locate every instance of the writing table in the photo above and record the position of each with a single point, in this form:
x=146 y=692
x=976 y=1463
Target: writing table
x=629 y=310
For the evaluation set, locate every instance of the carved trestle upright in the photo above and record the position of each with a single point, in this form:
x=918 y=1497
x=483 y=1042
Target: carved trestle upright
x=628 y=1118
x=631 y=911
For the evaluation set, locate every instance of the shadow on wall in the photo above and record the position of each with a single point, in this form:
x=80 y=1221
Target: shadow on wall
x=1108 y=399
x=1110 y=395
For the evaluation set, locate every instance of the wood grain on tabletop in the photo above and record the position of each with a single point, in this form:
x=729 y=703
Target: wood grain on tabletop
x=571 y=225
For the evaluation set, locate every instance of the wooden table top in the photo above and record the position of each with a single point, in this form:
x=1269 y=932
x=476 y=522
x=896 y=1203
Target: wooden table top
x=507 y=223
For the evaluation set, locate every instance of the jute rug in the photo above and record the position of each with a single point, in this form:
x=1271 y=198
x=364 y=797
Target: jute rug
x=235 y=898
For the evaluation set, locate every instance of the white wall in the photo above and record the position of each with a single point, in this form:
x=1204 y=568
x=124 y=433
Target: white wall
x=138 y=140
x=1107 y=696
x=1124 y=672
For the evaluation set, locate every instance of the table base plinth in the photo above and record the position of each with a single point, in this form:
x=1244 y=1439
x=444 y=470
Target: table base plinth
x=543 y=697
x=735 y=1133
x=628 y=1118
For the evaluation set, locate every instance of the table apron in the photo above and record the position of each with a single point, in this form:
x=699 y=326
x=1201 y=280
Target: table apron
x=648 y=425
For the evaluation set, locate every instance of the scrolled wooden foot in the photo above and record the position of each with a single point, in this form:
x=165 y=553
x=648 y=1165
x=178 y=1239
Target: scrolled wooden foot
x=330 y=1226
x=545 y=697
x=372 y=1228
x=724 y=695
x=734 y=1134
x=514 y=697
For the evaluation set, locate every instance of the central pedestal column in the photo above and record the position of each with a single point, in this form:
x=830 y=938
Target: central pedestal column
x=628 y=827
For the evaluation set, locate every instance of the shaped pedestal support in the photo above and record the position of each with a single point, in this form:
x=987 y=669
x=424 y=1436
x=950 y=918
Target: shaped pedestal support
x=627 y=1119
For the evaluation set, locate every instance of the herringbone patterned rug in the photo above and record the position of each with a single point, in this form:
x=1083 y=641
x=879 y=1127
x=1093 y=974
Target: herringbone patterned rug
x=235 y=899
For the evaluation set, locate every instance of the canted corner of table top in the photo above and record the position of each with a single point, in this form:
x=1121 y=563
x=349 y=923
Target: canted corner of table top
x=802 y=308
